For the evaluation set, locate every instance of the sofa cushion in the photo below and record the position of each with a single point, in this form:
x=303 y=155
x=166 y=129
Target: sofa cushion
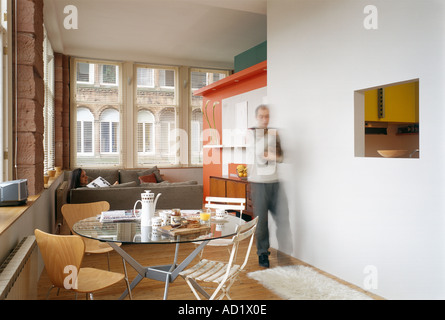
x=148 y=178
x=129 y=175
x=168 y=184
x=124 y=185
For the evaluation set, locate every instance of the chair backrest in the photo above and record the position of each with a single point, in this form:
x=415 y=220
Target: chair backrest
x=238 y=204
x=62 y=255
x=73 y=212
x=244 y=231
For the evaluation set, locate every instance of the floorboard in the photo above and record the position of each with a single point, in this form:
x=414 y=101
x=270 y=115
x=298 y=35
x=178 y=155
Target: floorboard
x=159 y=254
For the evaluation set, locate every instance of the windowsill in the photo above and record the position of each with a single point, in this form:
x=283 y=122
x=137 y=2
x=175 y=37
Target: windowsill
x=8 y=215
x=52 y=179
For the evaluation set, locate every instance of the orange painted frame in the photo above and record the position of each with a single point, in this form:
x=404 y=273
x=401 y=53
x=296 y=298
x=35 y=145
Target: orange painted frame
x=249 y=79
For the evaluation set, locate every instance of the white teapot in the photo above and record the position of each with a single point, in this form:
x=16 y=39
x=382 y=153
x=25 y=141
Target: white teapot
x=148 y=207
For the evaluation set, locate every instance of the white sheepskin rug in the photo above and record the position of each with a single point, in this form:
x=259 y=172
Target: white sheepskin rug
x=304 y=283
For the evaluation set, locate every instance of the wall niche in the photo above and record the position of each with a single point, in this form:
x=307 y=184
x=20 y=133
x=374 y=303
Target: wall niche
x=387 y=120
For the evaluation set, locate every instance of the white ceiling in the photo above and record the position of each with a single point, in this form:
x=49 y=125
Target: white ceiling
x=207 y=33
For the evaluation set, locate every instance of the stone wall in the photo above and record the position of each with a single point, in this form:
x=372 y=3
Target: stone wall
x=29 y=129
x=62 y=110
x=30 y=94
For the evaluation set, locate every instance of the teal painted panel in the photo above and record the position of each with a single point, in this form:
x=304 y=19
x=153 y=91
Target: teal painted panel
x=251 y=57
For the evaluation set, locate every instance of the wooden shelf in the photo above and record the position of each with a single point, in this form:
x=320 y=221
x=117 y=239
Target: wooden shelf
x=235 y=78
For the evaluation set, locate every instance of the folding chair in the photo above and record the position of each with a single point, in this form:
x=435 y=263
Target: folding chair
x=222 y=274
x=236 y=204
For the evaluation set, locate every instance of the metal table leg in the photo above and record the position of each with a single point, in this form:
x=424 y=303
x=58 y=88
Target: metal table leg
x=165 y=273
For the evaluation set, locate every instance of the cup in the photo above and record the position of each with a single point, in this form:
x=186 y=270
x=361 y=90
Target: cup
x=58 y=169
x=176 y=212
x=156 y=223
x=204 y=215
x=165 y=216
x=45 y=179
x=51 y=173
x=220 y=213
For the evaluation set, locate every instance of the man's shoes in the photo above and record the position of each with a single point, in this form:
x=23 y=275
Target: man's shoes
x=264 y=260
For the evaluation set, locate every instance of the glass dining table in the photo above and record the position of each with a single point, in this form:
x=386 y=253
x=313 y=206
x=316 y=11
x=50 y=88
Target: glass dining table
x=119 y=232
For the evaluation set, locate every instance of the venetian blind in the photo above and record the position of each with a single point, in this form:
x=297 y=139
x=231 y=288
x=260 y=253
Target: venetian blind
x=48 y=109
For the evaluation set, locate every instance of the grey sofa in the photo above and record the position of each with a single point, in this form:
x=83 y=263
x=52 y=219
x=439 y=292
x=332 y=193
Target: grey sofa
x=183 y=195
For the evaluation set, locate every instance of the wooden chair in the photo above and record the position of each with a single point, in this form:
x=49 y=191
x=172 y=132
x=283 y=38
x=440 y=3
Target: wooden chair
x=74 y=212
x=222 y=274
x=62 y=256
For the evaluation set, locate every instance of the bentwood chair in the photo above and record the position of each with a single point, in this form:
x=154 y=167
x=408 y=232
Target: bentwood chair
x=62 y=256
x=221 y=274
x=74 y=212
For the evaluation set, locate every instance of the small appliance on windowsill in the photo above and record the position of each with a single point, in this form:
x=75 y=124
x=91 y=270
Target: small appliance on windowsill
x=13 y=193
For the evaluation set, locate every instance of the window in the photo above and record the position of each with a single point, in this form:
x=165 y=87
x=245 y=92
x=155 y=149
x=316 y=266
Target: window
x=85 y=134
x=97 y=103
x=109 y=75
x=167 y=139
x=196 y=140
x=387 y=120
x=3 y=88
x=146 y=122
x=167 y=78
x=48 y=108
x=149 y=126
x=156 y=91
x=145 y=77
x=199 y=78
x=85 y=73
x=109 y=131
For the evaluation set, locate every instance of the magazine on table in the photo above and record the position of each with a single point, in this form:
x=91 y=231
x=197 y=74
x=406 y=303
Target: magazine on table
x=119 y=215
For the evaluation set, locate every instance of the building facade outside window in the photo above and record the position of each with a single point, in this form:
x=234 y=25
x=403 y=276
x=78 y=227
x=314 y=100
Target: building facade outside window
x=103 y=133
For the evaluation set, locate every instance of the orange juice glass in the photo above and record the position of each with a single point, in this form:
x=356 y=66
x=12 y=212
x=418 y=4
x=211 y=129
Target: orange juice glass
x=204 y=216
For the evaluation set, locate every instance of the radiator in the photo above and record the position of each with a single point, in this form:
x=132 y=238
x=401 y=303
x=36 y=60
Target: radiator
x=19 y=272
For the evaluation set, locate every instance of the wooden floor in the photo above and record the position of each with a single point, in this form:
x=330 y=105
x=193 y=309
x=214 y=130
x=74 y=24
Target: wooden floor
x=150 y=255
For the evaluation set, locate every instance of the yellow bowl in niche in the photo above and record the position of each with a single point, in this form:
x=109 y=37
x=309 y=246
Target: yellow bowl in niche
x=392 y=153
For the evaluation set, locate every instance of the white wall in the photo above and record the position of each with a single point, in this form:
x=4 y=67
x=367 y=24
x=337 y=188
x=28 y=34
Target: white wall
x=349 y=212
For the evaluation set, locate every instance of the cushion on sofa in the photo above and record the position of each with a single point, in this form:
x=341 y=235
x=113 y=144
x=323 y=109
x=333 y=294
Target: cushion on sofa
x=124 y=185
x=168 y=184
x=128 y=175
x=148 y=178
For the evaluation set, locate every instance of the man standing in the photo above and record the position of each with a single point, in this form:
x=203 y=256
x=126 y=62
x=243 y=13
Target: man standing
x=264 y=152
